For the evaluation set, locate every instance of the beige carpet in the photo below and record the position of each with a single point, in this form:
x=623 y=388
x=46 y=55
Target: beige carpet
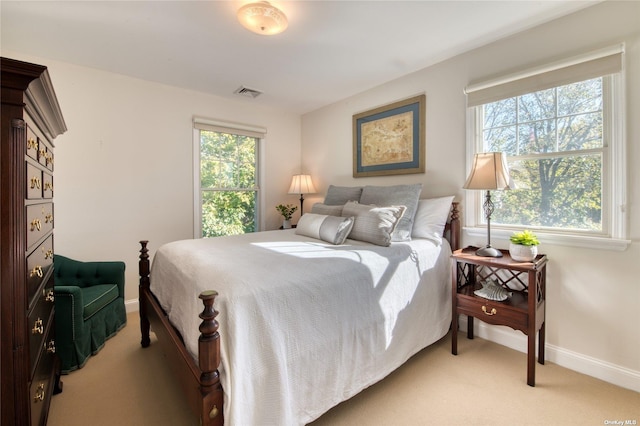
x=484 y=385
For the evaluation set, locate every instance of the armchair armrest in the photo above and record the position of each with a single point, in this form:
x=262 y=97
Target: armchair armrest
x=69 y=309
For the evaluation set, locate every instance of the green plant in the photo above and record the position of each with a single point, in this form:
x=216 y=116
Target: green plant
x=286 y=210
x=524 y=238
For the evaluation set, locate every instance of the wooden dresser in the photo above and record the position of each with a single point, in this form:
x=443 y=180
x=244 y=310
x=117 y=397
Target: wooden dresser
x=31 y=119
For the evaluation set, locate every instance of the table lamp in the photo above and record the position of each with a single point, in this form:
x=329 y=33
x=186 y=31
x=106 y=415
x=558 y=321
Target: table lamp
x=301 y=184
x=489 y=172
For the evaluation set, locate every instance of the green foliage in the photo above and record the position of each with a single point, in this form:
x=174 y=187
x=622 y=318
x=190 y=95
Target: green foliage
x=524 y=238
x=547 y=136
x=286 y=210
x=228 y=213
x=228 y=182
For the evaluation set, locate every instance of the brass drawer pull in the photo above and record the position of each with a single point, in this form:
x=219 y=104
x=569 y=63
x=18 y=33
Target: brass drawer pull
x=39 y=396
x=48 y=296
x=48 y=254
x=35 y=182
x=214 y=412
x=48 y=218
x=32 y=143
x=48 y=186
x=36 y=271
x=493 y=310
x=38 y=327
x=36 y=224
x=51 y=347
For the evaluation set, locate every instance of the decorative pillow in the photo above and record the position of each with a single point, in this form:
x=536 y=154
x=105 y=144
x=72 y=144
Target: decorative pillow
x=320 y=208
x=396 y=195
x=331 y=229
x=431 y=218
x=338 y=195
x=373 y=224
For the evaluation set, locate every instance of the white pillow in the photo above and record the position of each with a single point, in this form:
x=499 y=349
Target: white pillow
x=431 y=217
x=332 y=229
x=373 y=224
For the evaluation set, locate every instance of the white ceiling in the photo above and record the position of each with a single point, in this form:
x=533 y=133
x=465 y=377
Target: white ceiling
x=331 y=50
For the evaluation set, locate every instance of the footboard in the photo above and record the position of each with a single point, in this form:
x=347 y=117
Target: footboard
x=199 y=381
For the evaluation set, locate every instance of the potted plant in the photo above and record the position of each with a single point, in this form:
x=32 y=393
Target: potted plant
x=523 y=246
x=286 y=210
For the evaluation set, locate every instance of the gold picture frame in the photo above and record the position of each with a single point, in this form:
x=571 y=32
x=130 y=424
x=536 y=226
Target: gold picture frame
x=390 y=140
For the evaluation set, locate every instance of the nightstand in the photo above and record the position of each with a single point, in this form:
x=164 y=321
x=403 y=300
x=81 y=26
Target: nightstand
x=524 y=310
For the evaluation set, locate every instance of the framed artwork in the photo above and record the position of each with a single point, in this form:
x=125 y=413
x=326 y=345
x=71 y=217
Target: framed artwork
x=390 y=140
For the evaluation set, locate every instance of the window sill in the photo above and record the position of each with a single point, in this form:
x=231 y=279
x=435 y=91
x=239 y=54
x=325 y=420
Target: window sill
x=584 y=241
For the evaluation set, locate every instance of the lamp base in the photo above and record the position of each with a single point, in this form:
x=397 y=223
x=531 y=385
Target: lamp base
x=488 y=251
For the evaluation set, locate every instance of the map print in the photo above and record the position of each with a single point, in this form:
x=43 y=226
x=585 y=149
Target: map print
x=388 y=140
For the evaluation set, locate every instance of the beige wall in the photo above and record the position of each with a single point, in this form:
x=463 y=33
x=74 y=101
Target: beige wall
x=593 y=308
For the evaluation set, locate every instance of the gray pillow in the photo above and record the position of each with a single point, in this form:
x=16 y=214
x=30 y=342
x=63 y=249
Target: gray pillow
x=372 y=224
x=320 y=208
x=331 y=229
x=338 y=195
x=395 y=195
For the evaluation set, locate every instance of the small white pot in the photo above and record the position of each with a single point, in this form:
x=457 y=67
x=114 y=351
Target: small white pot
x=286 y=224
x=523 y=253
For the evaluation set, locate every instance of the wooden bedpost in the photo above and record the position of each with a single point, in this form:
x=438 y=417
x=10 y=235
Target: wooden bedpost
x=455 y=227
x=144 y=286
x=209 y=360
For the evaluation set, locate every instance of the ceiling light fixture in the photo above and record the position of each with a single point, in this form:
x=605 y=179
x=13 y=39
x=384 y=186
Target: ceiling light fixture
x=262 y=18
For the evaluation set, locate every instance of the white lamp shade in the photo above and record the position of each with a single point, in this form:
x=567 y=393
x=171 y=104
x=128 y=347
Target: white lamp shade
x=301 y=184
x=489 y=171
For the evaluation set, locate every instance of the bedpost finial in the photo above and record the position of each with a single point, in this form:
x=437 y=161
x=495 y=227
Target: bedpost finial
x=143 y=264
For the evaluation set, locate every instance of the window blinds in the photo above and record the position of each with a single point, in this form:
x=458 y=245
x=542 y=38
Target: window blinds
x=584 y=67
x=227 y=127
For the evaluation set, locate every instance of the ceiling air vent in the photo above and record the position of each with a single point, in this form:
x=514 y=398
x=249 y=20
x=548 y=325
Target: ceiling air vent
x=245 y=91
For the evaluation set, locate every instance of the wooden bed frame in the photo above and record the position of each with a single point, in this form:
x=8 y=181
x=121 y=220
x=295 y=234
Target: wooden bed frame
x=200 y=380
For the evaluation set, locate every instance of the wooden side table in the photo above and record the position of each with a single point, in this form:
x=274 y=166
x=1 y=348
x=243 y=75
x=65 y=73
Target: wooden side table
x=524 y=310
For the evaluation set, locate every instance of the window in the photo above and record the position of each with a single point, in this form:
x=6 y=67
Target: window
x=561 y=128
x=226 y=174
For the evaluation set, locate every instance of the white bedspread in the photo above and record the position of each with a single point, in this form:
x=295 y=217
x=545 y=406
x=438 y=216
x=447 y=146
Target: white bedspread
x=305 y=325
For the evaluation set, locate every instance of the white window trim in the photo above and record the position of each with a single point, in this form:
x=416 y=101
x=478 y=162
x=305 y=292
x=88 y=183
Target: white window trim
x=615 y=167
x=201 y=123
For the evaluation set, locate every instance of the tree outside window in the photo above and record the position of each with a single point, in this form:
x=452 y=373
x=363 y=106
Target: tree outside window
x=228 y=183
x=554 y=141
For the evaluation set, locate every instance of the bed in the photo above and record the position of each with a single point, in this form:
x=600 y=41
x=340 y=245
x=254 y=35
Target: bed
x=292 y=322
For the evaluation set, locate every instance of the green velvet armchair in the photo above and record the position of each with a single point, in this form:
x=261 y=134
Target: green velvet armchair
x=89 y=302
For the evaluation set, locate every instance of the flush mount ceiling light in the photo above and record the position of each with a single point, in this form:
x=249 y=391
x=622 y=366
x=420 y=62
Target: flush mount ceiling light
x=262 y=18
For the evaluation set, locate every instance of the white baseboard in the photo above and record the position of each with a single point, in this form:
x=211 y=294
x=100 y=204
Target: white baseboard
x=611 y=373
x=131 y=305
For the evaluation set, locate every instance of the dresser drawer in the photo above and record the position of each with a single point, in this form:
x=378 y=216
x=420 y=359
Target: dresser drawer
x=40 y=322
x=49 y=160
x=39 y=262
x=39 y=222
x=34 y=182
x=47 y=185
x=42 y=383
x=32 y=144
x=493 y=312
x=45 y=153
